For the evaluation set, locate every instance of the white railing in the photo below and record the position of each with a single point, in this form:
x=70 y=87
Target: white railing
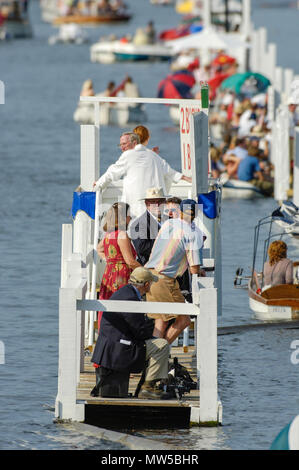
x=73 y=306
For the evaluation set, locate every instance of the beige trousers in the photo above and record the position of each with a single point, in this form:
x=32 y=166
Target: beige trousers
x=157 y=351
x=167 y=289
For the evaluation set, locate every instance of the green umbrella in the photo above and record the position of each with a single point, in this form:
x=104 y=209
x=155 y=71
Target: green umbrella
x=237 y=83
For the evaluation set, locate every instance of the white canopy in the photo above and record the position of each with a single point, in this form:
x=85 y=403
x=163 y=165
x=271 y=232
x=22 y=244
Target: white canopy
x=208 y=39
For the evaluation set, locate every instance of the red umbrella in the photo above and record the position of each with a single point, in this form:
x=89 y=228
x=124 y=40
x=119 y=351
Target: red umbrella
x=176 y=85
x=215 y=83
x=223 y=59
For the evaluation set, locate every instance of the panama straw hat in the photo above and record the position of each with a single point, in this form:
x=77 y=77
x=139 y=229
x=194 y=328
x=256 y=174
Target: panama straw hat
x=154 y=193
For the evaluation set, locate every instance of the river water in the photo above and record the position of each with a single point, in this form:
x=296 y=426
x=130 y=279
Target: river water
x=39 y=152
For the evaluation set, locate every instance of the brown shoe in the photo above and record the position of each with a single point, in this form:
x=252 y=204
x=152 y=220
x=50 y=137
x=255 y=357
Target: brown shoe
x=150 y=392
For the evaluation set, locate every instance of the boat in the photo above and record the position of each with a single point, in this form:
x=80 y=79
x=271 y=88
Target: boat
x=288 y=437
x=69 y=34
x=90 y=20
x=236 y=189
x=107 y=52
x=162 y=2
x=15 y=21
x=122 y=114
x=279 y=302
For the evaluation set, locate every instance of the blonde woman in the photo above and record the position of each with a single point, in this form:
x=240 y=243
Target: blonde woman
x=279 y=269
x=117 y=250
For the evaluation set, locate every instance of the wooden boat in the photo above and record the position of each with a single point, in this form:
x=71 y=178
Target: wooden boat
x=278 y=302
x=107 y=52
x=91 y=20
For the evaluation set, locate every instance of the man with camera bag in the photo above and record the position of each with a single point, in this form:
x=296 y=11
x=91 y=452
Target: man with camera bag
x=126 y=341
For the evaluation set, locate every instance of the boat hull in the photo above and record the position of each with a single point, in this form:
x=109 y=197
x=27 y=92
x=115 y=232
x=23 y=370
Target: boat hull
x=235 y=189
x=108 y=52
x=121 y=116
x=18 y=29
x=90 y=20
x=277 y=303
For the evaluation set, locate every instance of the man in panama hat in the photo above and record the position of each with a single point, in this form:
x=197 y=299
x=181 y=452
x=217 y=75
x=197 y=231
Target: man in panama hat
x=144 y=229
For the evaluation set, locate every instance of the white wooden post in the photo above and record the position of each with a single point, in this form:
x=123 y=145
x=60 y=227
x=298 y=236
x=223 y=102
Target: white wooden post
x=66 y=406
x=186 y=338
x=66 y=250
x=278 y=82
x=246 y=17
x=89 y=170
x=89 y=166
x=255 y=52
x=282 y=158
x=288 y=79
x=207 y=20
x=296 y=169
x=94 y=265
x=272 y=54
x=263 y=50
x=208 y=356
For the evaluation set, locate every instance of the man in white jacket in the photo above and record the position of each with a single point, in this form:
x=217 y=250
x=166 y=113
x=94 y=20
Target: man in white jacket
x=140 y=168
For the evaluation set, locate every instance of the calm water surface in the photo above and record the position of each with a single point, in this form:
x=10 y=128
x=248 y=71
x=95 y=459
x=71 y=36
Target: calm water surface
x=39 y=155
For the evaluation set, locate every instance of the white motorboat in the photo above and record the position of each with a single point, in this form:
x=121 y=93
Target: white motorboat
x=236 y=189
x=121 y=115
x=69 y=34
x=278 y=302
x=107 y=52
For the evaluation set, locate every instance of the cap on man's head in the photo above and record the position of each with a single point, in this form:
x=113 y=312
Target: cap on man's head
x=142 y=275
x=188 y=206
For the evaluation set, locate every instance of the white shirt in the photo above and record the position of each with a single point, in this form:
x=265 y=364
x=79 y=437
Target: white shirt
x=141 y=169
x=245 y=123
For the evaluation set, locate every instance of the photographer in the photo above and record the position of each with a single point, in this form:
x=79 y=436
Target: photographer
x=126 y=340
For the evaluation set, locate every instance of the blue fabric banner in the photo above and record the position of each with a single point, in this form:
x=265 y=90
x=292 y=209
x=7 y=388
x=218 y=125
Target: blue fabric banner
x=84 y=202
x=209 y=202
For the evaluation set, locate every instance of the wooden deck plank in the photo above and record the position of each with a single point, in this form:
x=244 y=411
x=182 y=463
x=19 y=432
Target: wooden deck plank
x=87 y=382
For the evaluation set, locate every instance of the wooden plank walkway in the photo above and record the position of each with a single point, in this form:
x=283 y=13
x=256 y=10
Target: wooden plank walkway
x=87 y=382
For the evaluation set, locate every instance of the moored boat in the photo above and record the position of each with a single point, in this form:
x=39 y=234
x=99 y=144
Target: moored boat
x=270 y=302
x=15 y=22
x=236 y=189
x=112 y=51
x=122 y=114
x=90 y=20
x=69 y=34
